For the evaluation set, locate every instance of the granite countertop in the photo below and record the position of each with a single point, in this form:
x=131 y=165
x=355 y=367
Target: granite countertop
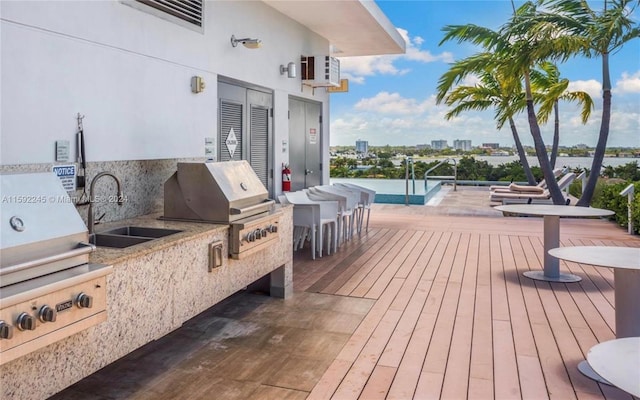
x=190 y=230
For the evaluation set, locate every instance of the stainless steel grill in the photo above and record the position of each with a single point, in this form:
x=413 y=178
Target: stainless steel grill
x=227 y=192
x=44 y=269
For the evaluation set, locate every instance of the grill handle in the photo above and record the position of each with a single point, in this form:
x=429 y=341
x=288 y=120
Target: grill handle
x=264 y=204
x=85 y=248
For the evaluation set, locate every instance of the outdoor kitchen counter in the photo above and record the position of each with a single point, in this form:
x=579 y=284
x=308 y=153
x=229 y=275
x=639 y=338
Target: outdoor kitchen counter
x=154 y=288
x=190 y=231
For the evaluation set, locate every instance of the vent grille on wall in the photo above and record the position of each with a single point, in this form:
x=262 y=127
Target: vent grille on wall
x=320 y=71
x=186 y=10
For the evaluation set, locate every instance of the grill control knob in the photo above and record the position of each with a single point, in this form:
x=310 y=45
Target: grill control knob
x=250 y=237
x=6 y=330
x=83 y=300
x=273 y=228
x=258 y=233
x=26 y=322
x=264 y=232
x=47 y=314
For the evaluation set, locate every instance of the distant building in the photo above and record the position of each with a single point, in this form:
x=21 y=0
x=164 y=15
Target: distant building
x=464 y=145
x=494 y=146
x=439 y=144
x=362 y=146
x=423 y=146
x=581 y=146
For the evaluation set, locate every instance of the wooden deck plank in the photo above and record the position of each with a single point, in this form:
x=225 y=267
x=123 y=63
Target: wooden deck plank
x=456 y=379
x=349 y=265
x=366 y=264
x=409 y=252
x=355 y=380
x=555 y=374
x=378 y=385
x=378 y=278
x=530 y=374
x=481 y=367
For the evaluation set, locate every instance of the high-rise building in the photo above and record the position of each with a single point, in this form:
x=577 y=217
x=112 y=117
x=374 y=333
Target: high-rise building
x=494 y=146
x=464 y=145
x=362 y=146
x=439 y=144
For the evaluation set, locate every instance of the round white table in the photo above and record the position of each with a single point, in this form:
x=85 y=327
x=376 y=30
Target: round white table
x=626 y=264
x=552 y=214
x=618 y=361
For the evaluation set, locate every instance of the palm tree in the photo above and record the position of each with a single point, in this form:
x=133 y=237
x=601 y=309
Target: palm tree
x=605 y=32
x=494 y=91
x=551 y=89
x=517 y=48
x=524 y=47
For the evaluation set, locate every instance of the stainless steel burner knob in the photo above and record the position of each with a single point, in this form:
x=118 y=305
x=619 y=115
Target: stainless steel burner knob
x=6 y=330
x=250 y=237
x=83 y=300
x=273 y=228
x=264 y=232
x=47 y=314
x=26 y=322
x=258 y=234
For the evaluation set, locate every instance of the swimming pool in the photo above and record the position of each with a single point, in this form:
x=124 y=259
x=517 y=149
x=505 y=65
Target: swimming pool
x=392 y=191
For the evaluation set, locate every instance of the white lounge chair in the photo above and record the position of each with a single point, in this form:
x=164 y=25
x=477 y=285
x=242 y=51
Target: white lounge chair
x=563 y=183
x=539 y=188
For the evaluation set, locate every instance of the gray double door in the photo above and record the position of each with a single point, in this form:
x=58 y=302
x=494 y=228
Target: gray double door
x=245 y=121
x=305 y=122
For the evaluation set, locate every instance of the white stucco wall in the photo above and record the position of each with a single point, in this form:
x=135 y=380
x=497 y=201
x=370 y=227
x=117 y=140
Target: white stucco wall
x=129 y=73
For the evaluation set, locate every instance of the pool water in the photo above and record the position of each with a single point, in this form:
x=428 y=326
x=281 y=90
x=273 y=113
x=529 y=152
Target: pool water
x=393 y=191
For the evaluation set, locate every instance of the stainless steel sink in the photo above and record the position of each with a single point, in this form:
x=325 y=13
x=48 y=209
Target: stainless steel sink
x=141 y=231
x=117 y=241
x=126 y=236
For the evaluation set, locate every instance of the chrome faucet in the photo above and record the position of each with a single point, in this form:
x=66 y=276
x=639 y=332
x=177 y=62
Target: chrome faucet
x=90 y=216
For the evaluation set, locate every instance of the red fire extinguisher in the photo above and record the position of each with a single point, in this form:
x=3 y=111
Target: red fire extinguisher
x=286 y=178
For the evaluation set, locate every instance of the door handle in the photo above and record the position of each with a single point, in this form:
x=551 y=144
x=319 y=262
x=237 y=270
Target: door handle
x=308 y=172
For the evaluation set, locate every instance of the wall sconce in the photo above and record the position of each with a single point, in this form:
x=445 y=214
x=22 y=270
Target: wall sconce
x=246 y=42
x=197 y=84
x=290 y=69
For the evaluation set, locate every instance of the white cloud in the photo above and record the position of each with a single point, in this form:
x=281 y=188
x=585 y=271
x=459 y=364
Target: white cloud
x=628 y=83
x=357 y=69
x=592 y=87
x=393 y=103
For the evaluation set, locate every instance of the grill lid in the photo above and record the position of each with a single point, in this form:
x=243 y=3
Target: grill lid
x=220 y=192
x=39 y=221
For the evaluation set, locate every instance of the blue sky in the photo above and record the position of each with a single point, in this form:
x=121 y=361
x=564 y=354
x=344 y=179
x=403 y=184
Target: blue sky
x=391 y=98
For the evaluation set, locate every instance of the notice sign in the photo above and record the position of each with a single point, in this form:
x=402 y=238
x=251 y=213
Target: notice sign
x=313 y=136
x=67 y=175
x=210 y=149
x=231 y=142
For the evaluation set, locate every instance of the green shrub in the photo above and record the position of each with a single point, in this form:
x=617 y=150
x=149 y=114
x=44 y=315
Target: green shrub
x=607 y=196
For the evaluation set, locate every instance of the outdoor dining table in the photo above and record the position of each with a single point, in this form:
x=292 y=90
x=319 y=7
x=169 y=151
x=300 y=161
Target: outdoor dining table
x=552 y=214
x=626 y=264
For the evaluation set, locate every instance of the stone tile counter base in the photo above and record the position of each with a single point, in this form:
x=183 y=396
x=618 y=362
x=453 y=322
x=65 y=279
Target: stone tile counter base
x=154 y=288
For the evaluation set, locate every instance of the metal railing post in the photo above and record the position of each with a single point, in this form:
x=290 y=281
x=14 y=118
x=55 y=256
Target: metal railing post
x=406 y=182
x=628 y=191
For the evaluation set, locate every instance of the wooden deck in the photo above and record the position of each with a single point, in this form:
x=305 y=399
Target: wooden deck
x=422 y=306
x=454 y=317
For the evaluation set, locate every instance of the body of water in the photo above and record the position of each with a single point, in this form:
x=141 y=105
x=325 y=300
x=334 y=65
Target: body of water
x=571 y=162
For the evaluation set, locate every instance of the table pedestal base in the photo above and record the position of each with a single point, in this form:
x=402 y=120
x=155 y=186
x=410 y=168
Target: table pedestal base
x=587 y=371
x=540 y=276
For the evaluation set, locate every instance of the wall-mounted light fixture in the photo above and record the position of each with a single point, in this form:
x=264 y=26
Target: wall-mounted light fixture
x=290 y=69
x=197 y=84
x=246 y=42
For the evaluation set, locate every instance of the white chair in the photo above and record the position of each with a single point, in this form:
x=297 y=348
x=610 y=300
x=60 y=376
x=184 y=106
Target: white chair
x=348 y=202
x=367 y=197
x=322 y=214
x=303 y=224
